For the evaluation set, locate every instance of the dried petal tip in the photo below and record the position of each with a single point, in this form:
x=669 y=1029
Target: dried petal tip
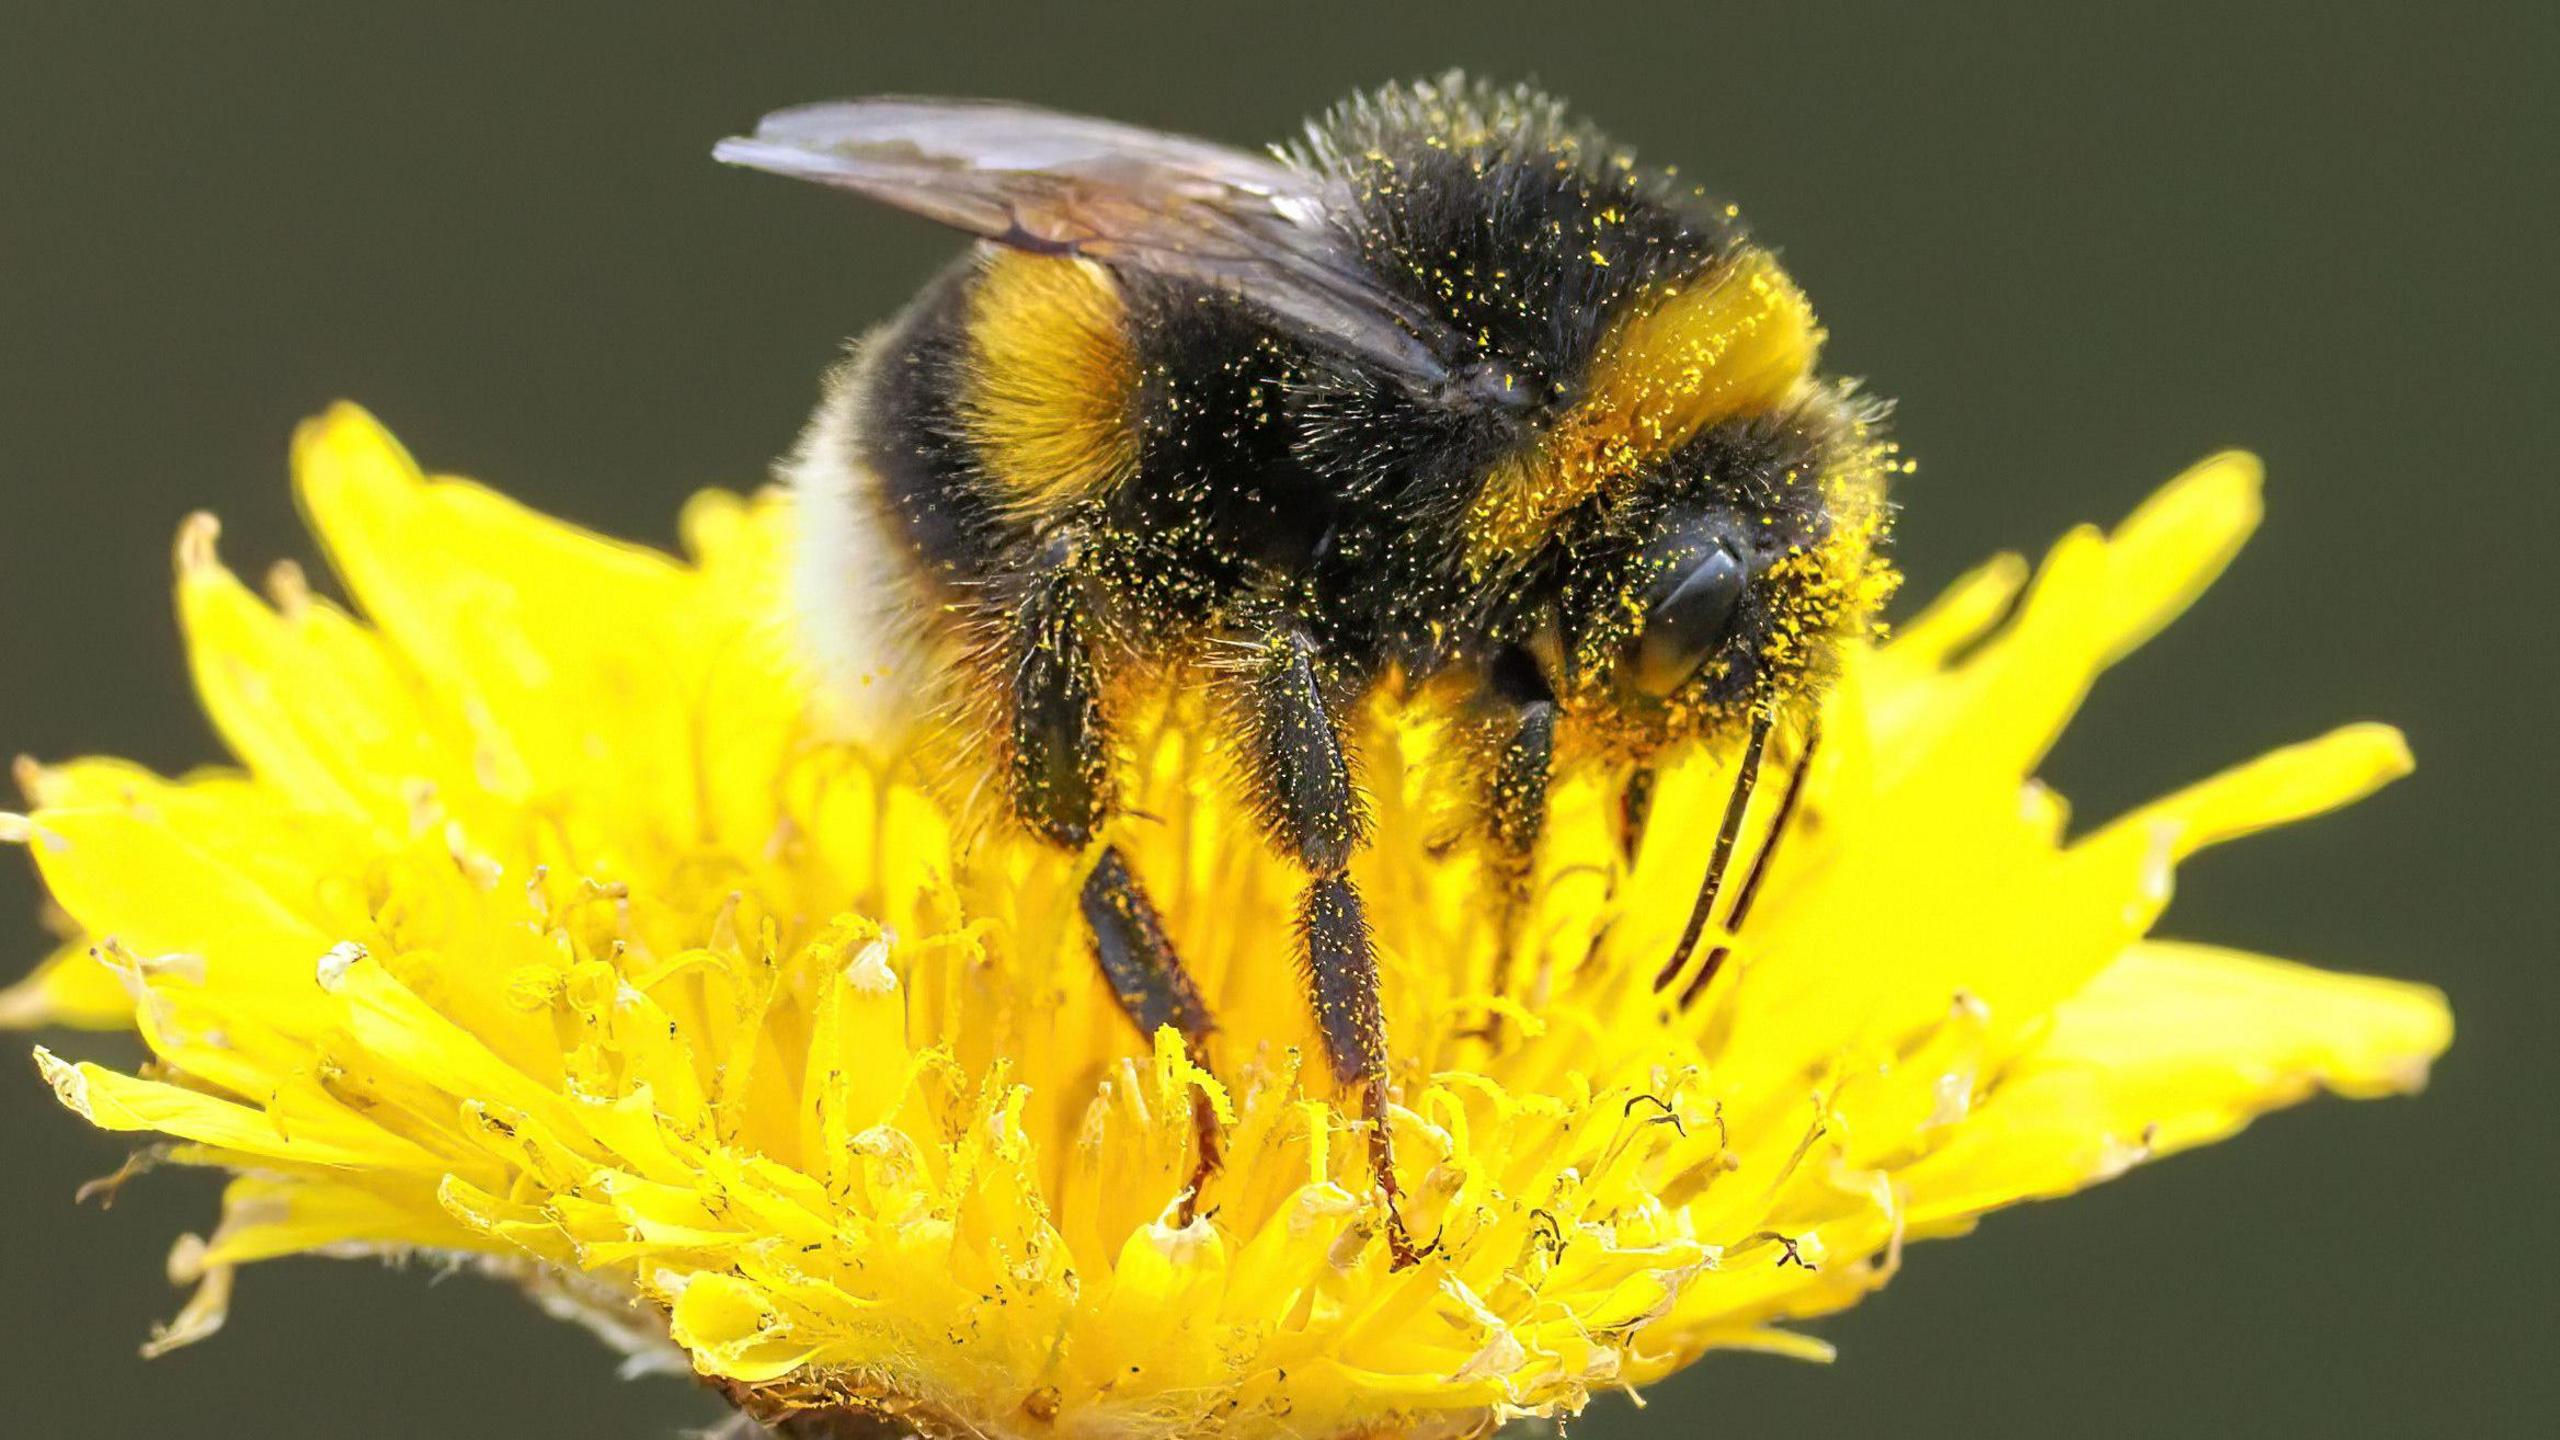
x=288 y=588
x=204 y=1312
x=869 y=972
x=197 y=535
x=334 y=965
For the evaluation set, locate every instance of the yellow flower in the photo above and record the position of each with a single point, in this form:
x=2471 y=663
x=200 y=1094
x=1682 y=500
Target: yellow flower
x=540 y=925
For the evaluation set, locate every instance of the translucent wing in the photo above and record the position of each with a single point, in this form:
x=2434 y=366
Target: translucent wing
x=1125 y=196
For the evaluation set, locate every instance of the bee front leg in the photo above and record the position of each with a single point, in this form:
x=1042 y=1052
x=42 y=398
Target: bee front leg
x=1298 y=774
x=1061 y=790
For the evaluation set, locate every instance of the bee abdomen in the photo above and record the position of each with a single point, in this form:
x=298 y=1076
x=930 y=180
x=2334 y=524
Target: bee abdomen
x=1050 y=383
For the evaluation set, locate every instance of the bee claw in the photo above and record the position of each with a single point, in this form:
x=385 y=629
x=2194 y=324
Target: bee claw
x=1402 y=1253
x=1210 y=1158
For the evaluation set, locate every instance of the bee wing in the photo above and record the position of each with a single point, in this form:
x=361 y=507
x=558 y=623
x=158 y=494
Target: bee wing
x=1141 y=199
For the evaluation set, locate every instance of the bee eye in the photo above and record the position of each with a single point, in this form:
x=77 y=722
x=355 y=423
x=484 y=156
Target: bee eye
x=1690 y=615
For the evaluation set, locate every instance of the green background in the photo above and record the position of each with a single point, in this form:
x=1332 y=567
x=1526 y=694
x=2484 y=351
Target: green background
x=2081 y=249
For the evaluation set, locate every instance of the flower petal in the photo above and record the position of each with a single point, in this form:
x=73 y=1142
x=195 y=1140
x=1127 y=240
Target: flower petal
x=309 y=700
x=2180 y=541
x=2170 y=1047
x=120 y=1102
x=71 y=989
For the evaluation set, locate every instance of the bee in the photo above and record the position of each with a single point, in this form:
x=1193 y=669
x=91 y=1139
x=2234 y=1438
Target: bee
x=1450 y=400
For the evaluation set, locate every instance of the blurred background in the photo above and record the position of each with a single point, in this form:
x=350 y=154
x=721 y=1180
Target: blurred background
x=2082 y=249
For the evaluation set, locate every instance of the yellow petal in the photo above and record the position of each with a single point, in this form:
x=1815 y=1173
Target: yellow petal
x=309 y=700
x=130 y=873
x=2279 y=788
x=264 y=1217
x=2173 y=1046
x=733 y=1331
x=2178 y=542
x=1964 y=613
x=119 y=1102
x=70 y=989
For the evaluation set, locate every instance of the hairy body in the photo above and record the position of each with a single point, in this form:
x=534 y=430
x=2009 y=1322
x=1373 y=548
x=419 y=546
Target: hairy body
x=1560 y=464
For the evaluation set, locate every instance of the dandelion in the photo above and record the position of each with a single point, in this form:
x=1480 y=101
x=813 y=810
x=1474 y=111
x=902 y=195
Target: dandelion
x=541 y=925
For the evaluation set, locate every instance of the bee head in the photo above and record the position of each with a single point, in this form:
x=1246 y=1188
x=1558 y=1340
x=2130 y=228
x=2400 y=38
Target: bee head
x=1726 y=582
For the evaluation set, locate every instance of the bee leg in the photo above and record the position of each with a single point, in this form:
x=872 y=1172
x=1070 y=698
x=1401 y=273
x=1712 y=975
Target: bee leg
x=1342 y=972
x=1061 y=789
x=1060 y=772
x=1147 y=977
x=1297 y=774
x=1635 y=808
x=1515 y=816
x=1299 y=778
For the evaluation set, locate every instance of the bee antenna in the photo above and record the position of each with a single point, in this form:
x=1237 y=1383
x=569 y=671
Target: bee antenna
x=1737 y=801
x=1759 y=871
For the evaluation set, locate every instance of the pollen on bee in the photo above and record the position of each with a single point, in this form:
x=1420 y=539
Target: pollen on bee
x=1684 y=357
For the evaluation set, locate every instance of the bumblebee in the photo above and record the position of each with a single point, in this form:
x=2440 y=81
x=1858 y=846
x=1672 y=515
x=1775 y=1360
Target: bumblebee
x=1450 y=400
